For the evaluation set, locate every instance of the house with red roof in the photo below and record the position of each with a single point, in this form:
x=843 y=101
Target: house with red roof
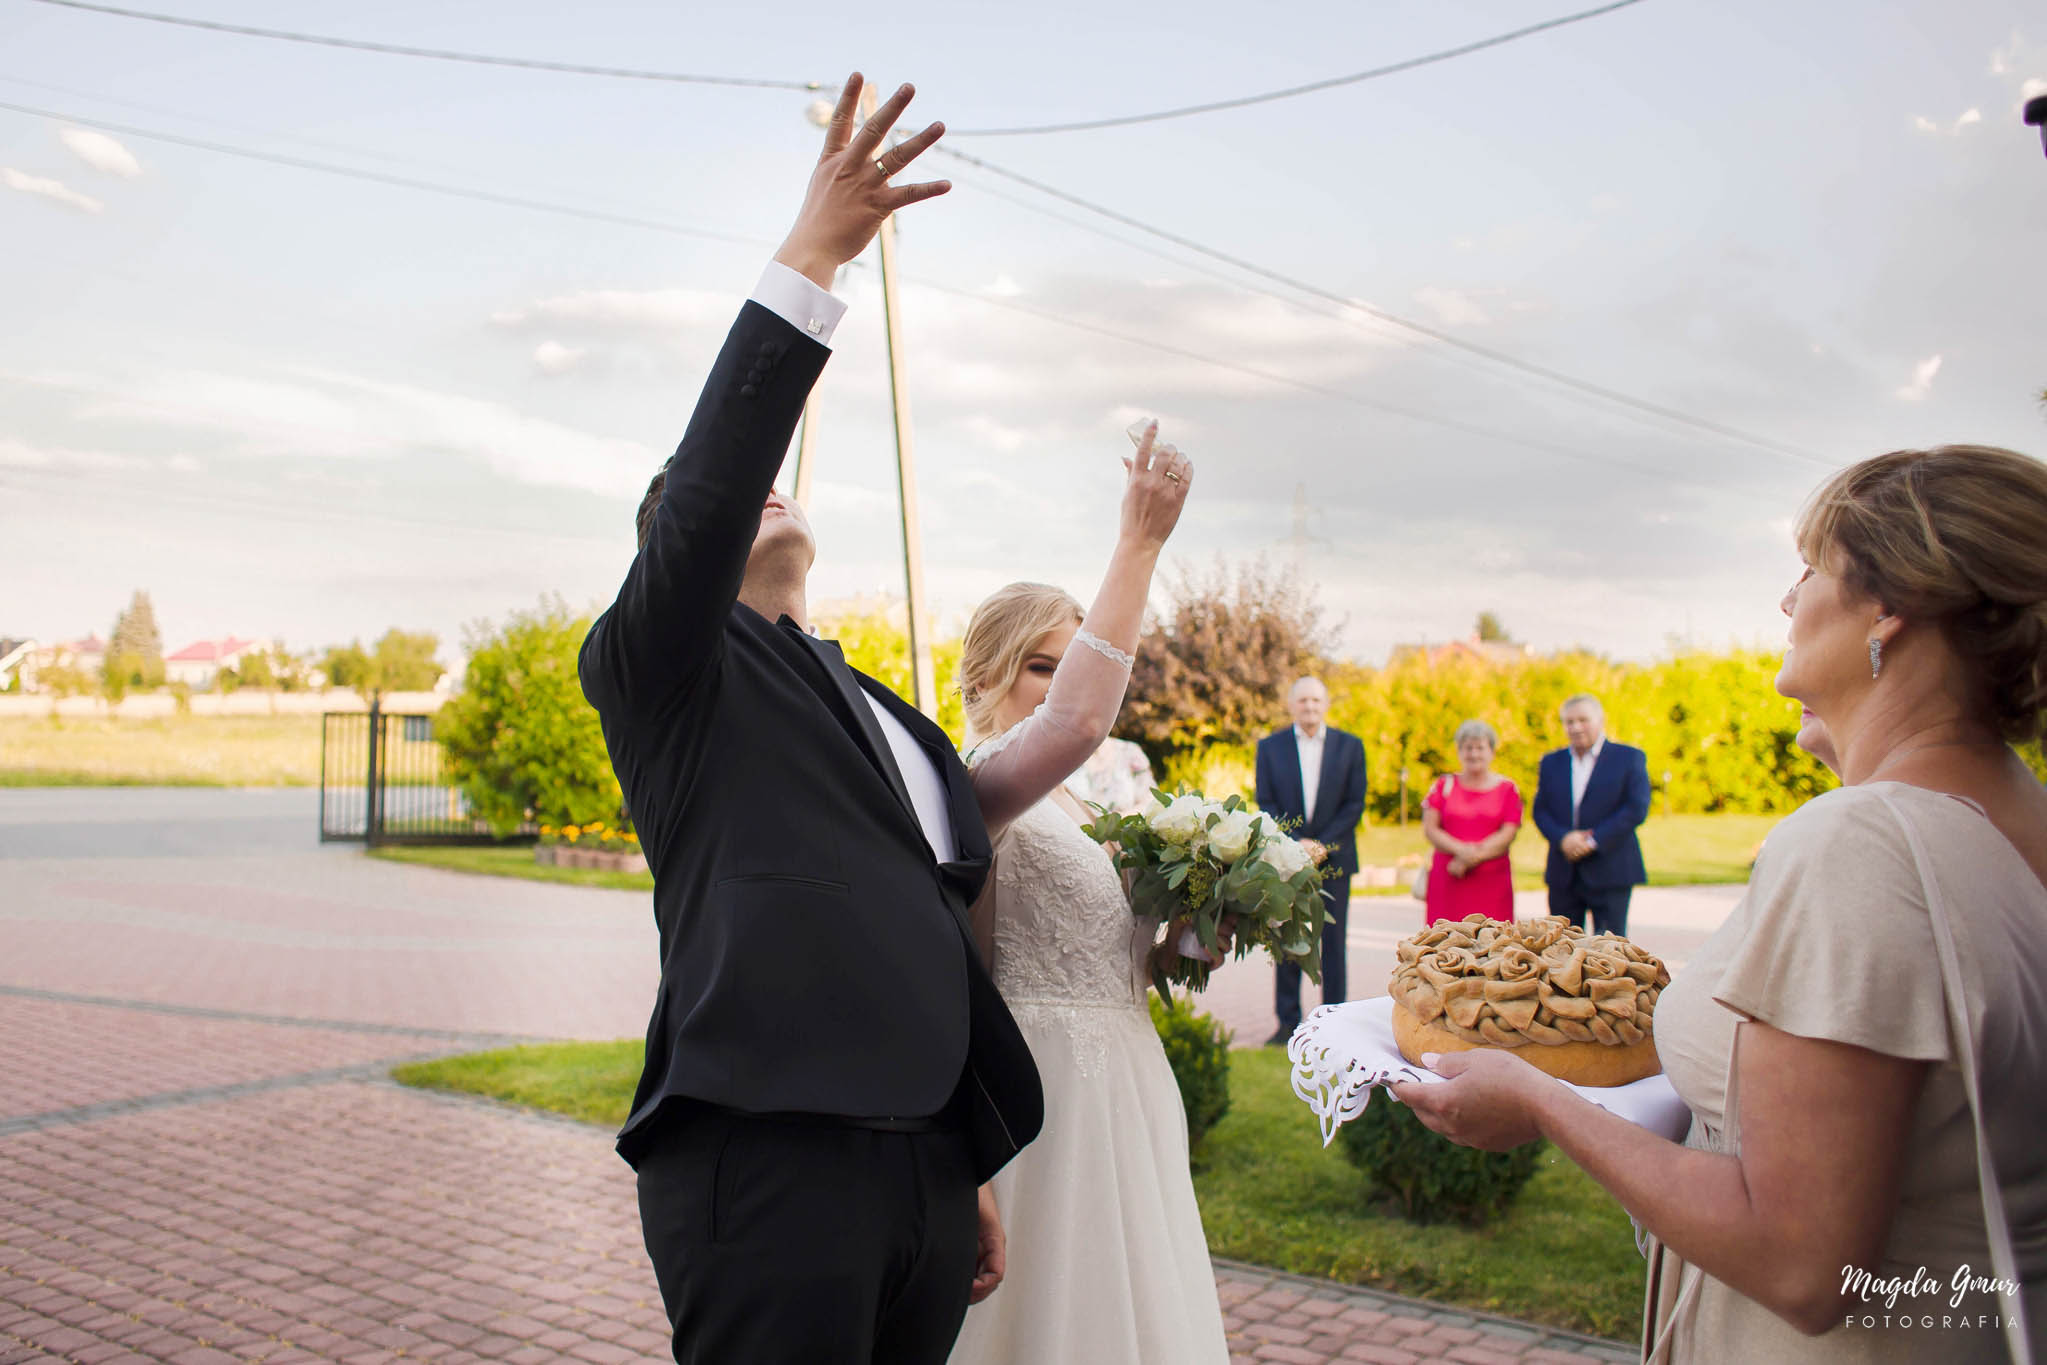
x=197 y=664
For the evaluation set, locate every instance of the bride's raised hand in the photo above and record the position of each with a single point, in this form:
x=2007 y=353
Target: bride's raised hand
x=1159 y=479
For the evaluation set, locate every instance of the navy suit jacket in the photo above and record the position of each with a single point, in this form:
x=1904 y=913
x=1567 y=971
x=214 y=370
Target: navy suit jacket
x=1339 y=799
x=1616 y=801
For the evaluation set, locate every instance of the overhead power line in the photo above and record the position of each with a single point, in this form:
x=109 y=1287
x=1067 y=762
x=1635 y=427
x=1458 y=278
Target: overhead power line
x=437 y=54
x=1437 y=335
x=1242 y=101
x=384 y=178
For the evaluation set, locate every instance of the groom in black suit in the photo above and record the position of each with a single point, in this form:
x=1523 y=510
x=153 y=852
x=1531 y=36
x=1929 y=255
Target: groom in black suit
x=830 y=1073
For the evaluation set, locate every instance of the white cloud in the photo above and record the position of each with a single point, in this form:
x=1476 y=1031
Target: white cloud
x=1966 y=119
x=551 y=357
x=101 y=152
x=1922 y=380
x=20 y=455
x=2035 y=85
x=47 y=188
x=1003 y=286
x=186 y=464
x=1453 y=307
x=623 y=310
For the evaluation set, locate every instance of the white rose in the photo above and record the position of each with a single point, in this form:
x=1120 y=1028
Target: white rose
x=1150 y=809
x=1184 y=821
x=1284 y=856
x=1230 y=837
x=1264 y=827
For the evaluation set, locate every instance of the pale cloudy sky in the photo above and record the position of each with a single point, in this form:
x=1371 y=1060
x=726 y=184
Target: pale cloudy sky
x=289 y=403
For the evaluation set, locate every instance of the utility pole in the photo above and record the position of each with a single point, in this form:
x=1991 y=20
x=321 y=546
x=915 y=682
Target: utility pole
x=921 y=671
x=806 y=445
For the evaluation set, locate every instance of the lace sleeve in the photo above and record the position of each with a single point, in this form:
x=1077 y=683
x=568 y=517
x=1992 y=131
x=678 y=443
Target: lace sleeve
x=1019 y=767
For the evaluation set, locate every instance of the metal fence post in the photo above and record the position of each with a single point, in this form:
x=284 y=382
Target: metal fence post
x=373 y=805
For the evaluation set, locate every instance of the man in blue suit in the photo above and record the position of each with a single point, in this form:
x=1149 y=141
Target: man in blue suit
x=1588 y=800
x=1312 y=778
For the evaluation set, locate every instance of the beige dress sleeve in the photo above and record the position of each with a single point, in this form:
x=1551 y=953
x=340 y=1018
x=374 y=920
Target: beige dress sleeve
x=1839 y=945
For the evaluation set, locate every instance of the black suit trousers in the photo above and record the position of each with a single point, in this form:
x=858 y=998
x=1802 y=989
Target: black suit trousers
x=781 y=1242
x=1286 y=978
x=1607 y=906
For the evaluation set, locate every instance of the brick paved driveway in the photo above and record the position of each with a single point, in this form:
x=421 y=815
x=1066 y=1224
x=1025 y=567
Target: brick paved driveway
x=202 y=1160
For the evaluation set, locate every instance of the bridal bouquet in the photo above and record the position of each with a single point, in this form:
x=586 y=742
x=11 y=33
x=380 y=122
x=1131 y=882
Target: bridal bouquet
x=1199 y=860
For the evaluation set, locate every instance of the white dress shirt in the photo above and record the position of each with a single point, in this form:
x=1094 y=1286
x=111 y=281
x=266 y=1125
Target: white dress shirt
x=795 y=298
x=1581 y=774
x=920 y=775
x=1310 y=751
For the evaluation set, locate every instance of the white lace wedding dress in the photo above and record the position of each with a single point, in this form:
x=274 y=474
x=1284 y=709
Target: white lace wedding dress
x=1107 y=1262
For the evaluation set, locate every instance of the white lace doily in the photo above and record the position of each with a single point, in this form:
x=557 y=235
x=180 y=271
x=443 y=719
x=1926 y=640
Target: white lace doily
x=1341 y=1052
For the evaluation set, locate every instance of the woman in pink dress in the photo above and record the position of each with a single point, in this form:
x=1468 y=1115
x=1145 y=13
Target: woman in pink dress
x=1471 y=817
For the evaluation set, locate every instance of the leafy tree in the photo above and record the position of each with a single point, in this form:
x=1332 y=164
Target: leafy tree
x=134 y=657
x=1216 y=672
x=135 y=635
x=65 y=680
x=878 y=645
x=520 y=740
x=254 y=670
x=1489 y=629
x=1718 y=737
x=401 y=662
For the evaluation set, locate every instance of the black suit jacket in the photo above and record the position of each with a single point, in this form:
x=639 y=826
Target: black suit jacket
x=1339 y=793
x=815 y=956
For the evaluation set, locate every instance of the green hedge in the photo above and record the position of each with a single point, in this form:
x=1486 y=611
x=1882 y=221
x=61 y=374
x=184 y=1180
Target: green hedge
x=1429 y=1178
x=1199 y=1050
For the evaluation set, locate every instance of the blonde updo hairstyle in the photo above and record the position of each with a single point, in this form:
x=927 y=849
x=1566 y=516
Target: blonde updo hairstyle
x=999 y=639
x=1955 y=537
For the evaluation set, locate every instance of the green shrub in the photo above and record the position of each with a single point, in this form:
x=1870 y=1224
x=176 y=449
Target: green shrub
x=1430 y=1178
x=521 y=742
x=1199 y=1050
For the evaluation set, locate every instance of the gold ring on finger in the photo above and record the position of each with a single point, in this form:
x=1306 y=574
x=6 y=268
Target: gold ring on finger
x=882 y=166
x=1171 y=475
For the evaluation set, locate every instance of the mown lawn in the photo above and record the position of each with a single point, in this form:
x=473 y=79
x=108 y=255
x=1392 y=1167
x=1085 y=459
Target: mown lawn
x=1680 y=850
x=160 y=751
x=514 y=860
x=1270 y=1194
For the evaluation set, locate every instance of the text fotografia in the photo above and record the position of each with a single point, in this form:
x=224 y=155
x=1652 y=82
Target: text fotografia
x=1955 y=1290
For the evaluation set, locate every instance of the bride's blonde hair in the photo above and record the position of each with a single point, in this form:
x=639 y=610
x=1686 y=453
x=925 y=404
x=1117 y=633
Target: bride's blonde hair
x=998 y=638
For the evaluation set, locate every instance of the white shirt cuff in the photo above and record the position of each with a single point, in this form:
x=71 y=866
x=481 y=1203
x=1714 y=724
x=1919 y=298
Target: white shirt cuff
x=795 y=298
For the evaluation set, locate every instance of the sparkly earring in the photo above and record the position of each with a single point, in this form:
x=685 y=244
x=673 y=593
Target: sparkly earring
x=1876 y=656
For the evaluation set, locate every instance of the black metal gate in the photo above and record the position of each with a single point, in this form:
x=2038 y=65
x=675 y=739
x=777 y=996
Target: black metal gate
x=381 y=782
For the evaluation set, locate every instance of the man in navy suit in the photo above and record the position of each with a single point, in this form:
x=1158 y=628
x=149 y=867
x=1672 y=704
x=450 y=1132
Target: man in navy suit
x=1313 y=778
x=1589 y=798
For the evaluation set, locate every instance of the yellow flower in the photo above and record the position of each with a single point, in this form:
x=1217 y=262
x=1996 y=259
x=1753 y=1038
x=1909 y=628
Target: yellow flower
x=546 y=831
x=571 y=832
x=597 y=828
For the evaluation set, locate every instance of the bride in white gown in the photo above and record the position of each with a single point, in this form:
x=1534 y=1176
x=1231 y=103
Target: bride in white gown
x=1107 y=1261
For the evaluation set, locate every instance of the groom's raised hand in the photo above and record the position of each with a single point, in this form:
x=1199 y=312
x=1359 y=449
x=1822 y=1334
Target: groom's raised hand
x=850 y=194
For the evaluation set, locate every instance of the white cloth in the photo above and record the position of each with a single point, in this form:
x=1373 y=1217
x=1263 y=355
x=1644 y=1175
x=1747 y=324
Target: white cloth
x=1581 y=774
x=1310 y=751
x=1107 y=1258
x=795 y=298
x=920 y=775
x=1340 y=1052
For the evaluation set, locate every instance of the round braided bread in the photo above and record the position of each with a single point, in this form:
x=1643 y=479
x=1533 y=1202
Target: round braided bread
x=1580 y=1007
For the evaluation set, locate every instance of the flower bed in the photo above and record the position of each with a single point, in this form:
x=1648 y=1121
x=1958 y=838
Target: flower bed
x=596 y=846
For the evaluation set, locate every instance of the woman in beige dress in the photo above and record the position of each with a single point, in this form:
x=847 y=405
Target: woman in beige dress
x=1874 y=1013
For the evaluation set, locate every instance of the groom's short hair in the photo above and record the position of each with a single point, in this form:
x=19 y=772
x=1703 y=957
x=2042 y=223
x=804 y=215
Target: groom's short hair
x=644 y=521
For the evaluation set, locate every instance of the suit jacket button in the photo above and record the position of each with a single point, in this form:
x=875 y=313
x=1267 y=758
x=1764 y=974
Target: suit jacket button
x=754 y=376
x=748 y=390
x=767 y=348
